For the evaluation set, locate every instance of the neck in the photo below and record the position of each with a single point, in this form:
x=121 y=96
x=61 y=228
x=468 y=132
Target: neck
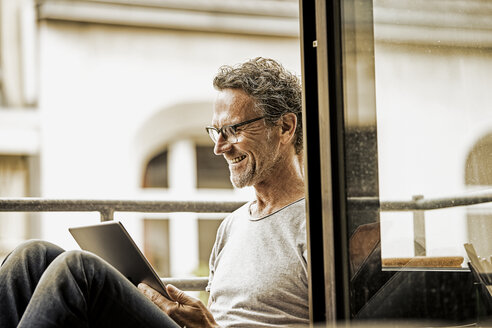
x=284 y=186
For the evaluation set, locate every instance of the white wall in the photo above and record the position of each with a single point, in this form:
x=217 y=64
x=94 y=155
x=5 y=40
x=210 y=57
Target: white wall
x=112 y=96
x=432 y=104
x=103 y=87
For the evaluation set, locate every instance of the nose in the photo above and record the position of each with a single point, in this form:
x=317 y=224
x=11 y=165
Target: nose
x=222 y=145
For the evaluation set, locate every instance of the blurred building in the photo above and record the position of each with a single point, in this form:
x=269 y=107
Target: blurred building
x=433 y=65
x=108 y=99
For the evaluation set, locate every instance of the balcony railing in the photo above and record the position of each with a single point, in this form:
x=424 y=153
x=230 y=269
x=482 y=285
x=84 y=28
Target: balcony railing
x=107 y=207
x=418 y=205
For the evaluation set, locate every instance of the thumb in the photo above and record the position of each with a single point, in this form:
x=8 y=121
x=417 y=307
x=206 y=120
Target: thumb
x=178 y=295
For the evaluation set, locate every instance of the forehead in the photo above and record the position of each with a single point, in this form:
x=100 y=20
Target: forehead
x=232 y=106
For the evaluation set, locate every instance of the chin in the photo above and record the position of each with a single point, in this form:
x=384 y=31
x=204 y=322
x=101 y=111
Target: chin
x=241 y=182
x=238 y=184
x=243 y=178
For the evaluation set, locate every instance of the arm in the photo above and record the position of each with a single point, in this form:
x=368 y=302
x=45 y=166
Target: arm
x=185 y=310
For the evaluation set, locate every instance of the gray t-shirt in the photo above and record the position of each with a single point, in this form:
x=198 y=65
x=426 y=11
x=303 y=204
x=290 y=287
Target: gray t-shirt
x=258 y=269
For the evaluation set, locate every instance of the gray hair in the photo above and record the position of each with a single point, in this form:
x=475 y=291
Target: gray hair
x=274 y=90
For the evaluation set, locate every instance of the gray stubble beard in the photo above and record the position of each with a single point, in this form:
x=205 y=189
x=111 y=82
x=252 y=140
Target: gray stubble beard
x=243 y=180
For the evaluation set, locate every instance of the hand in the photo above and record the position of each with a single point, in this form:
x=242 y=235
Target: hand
x=184 y=309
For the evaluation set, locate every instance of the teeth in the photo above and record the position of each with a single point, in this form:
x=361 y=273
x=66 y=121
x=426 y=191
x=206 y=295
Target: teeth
x=238 y=159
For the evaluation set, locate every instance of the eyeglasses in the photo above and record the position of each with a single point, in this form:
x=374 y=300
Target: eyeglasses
x=228 y=131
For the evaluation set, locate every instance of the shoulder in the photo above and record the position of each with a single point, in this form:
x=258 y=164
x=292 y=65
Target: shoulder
x=297 y=208
x=231 y=220
x=242 y=212
x=296 y=213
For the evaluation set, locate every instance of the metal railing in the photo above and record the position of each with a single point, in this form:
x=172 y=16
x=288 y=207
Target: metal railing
x=106 y=208
x=418 y=205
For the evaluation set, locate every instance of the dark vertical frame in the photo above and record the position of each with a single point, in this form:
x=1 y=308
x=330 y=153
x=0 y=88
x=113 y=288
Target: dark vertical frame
x=312 y=162
x=341 y=162
x=324 y=148
x=331 y=112
x=335 y=112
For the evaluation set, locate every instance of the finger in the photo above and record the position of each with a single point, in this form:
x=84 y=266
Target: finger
x=144 y=288
x=152 y=294
x=180 y=296
x=148 y=291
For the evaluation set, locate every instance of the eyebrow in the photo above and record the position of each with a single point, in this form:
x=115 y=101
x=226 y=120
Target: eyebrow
x=217 y=127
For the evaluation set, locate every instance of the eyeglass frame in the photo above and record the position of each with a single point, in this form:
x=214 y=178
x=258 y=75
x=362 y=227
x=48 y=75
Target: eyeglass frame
x=231 y=126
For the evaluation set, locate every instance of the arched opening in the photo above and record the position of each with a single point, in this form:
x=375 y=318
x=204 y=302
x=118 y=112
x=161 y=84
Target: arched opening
x=478 y=170
x=155 y=173
x=478 y=175
x=177 y=160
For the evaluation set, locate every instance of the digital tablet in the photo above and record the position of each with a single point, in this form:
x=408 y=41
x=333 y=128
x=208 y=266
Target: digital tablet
x=111 y=242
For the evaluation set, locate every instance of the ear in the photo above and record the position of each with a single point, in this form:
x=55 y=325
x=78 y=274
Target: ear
x=288 y=127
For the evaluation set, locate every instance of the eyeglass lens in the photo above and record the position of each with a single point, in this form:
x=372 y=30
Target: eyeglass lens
x=228 y=134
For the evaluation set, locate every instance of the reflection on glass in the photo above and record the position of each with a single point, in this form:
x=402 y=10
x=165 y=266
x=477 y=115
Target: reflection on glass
x=433 y=67
x=418 y=136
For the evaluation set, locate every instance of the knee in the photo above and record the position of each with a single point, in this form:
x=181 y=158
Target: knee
x=78 y=263
x=83 y=259
x=35 y=249
x=70 y=258
x=34 y=245
x=42 y=248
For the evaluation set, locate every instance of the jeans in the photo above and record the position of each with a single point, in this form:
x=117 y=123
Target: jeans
x=41 y=285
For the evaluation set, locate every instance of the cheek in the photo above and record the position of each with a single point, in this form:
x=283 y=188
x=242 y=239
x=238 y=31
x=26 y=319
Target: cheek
x=263 y=154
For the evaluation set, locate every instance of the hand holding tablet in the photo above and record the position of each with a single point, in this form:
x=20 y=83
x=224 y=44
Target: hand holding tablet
x=111 y=242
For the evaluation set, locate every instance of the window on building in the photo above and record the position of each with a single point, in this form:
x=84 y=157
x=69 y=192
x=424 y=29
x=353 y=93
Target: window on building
x=156 y=175
x=156 y=231
x=156 y=245
x=1 y=89
x=14 y=182
x=207 y=230
x=212 y=173
x=478 y=175
x=479 y=163
x=212 y=170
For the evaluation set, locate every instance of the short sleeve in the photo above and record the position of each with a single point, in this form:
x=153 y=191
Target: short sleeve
x=211 y=265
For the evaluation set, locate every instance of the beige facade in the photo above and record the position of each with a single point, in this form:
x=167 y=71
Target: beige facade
x=116 y=83
x=91 y=91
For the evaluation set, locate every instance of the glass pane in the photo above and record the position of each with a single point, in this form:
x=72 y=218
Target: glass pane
x=418 y=154
x=207 y=230
x=156 y=175
x=212 y=171
x=14 y=182
x=433 y=69
x=2 y=101
x=156 y=245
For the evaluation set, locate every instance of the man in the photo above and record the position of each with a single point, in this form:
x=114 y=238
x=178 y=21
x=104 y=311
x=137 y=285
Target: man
x=258 y=270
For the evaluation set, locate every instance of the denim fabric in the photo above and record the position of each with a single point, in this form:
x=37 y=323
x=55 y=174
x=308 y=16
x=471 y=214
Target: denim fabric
x=43 y=286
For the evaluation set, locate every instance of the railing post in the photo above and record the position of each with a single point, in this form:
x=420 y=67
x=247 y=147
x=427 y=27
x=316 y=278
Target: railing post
x=418 y=229
x=106 y=214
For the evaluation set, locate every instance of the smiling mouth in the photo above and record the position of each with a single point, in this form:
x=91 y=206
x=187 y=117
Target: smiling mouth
x=237 y=159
